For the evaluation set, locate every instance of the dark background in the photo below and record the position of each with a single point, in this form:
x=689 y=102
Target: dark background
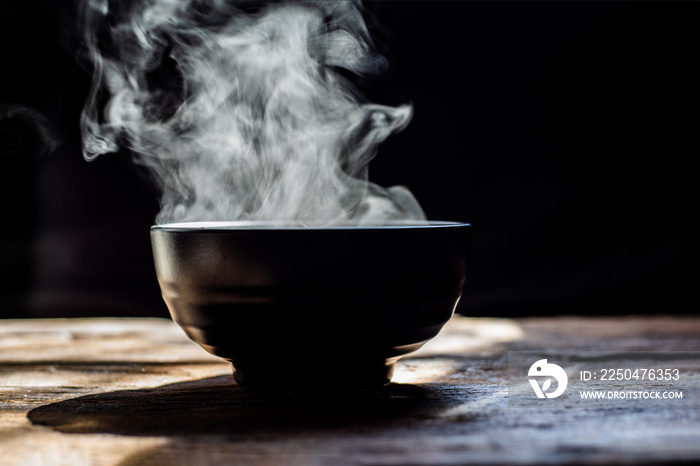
x=565 y=132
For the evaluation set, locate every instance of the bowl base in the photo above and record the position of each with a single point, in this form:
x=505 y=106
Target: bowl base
x=313 y=377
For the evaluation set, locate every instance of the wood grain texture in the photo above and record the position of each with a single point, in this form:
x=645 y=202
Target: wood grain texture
x=138 y=392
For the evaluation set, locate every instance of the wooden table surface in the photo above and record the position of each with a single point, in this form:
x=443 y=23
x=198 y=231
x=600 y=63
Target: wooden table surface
x=138 y=392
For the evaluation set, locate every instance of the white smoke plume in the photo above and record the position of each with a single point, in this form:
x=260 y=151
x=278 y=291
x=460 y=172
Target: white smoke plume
x=241 y=112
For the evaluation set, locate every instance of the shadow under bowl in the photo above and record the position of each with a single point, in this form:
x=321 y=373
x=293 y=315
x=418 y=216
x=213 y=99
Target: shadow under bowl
x=295 y=307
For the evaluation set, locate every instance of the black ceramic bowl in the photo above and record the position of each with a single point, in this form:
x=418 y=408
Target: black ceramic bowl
x=294 y=307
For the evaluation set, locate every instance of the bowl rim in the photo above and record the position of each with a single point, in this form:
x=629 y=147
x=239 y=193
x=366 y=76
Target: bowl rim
x=276 y=225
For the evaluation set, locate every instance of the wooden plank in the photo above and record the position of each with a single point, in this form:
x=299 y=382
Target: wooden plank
x=137 y=391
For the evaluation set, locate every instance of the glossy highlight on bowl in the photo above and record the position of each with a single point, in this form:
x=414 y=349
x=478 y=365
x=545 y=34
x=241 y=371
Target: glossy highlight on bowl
x=294 y=306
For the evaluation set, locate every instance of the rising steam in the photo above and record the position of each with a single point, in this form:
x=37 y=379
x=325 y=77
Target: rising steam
x=241 y=113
